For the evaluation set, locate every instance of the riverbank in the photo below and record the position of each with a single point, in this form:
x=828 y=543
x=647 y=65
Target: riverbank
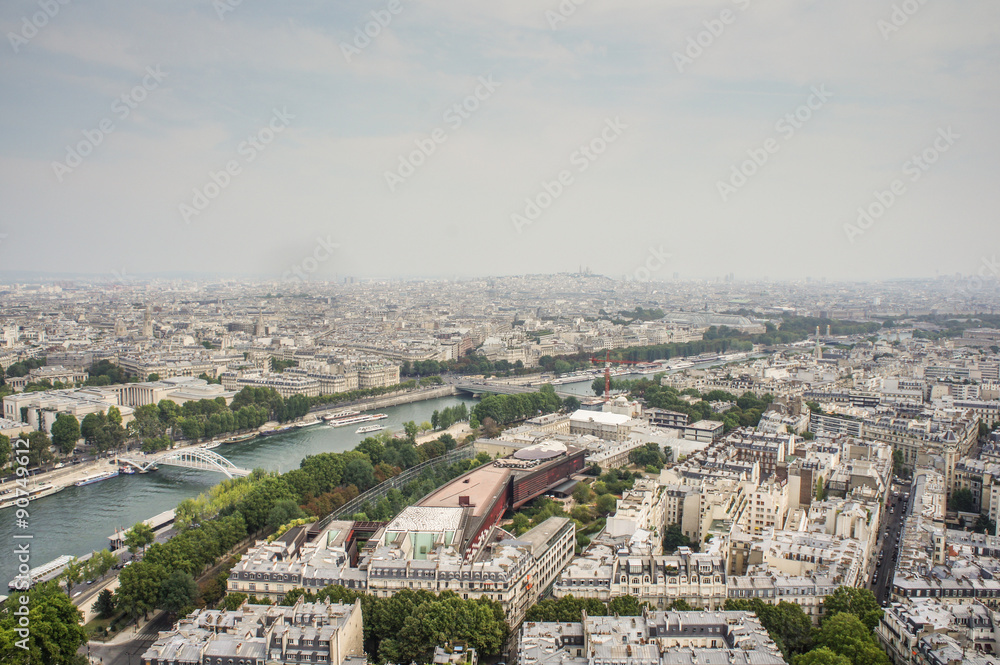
x=459 y=431
x=69 y=475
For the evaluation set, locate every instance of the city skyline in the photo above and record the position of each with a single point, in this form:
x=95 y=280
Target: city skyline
x=224 y=138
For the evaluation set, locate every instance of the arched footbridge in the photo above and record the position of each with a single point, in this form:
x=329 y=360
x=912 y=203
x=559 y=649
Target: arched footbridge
x=188 y=458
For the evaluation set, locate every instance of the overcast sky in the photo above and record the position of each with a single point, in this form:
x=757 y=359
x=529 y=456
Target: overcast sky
x=116 y=115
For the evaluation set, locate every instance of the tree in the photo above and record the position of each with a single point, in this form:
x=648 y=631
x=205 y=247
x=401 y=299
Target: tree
x=626 y=606
x=821 y=656
x=38 y=448
x=5 y=450
x=55 y=632
x=105 y=604
x=565 y=609
x=898 y=465
x=648 y=454
x=411 y=429
x=360 y=473
x=72 y=574
x=178 y=592
x=65 y=432
x=234 y=601
x=139 y=587
x=859 y=602
x=820 y=490
x=962 y=501
x=490 y=428
x=283 y=512
x=153 y=377
x=570 y=404
x=787 y=624
x=607 y=503
x=139 y=536
x=99 y=563
x=521 y=523
x=674 y=538
x=985 y=525
x=582 y=494
x=845 y=634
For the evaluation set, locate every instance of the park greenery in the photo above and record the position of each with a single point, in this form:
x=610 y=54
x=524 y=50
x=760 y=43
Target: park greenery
x=746 y=412
x=593 y=503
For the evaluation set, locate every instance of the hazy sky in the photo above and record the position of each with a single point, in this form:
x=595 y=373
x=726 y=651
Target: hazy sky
x=626 y=123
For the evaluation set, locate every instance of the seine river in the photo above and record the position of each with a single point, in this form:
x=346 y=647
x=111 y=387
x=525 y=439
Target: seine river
x=79 y=520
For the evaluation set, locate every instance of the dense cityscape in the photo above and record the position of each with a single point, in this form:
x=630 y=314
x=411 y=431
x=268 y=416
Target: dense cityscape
x=595 y=471
x=430 y=332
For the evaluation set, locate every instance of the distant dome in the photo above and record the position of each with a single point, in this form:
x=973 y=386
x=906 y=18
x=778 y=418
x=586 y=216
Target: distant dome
x=544 y=450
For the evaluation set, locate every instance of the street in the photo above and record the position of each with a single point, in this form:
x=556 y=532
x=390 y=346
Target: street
x=130 y=652
x=892 y=524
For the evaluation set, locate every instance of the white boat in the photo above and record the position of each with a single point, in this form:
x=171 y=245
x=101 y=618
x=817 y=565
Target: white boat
x=10 y=496
x=369 y=428
x=213 y=444
x=96 y=478
x=309 y=423
x=354 y=420
x=340 y=415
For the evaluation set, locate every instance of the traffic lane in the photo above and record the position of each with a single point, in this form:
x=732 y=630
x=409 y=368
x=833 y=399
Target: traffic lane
x=889 y=549
x=128 y=653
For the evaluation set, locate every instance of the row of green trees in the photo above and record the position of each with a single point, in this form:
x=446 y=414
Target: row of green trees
x=169 y=567
x=450 y=415
x=505 y=409
x=570 y=609
x=406 y=626
x=38 y=452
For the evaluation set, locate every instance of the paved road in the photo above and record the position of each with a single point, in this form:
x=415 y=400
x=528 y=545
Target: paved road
x=127 y=653
x=891 y=528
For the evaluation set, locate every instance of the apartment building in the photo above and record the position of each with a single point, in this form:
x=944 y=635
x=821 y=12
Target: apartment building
x=316 y=633
x=418 y=549
x=655 y=638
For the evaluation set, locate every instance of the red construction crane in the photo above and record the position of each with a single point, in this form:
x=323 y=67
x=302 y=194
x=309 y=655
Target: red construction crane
x=607 y=370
